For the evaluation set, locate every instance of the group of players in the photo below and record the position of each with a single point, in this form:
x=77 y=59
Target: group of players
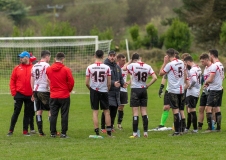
x=184 y=78
x=108 y=83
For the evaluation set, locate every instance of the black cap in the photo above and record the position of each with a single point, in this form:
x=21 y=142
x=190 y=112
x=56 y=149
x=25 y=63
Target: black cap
x=112 y=52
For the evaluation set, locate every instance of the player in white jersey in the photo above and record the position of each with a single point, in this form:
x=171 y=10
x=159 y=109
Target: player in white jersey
x=121 y=60
x=139 y=97
x=174 y=68
x=204 y=59
x=214 y=82
x=40 y=86
x=193 y=89
x=98 y=81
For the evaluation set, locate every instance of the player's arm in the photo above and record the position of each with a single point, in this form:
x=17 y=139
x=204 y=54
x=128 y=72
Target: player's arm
x=32 y=86
x=166 y=60
x=154 y=78
x=124 y=68
x=109 y=82
x=210 y=78
x=87 y=82
x=162 y=85
x=12 y=83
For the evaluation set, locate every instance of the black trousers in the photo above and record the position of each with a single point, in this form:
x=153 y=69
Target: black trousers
x=113 y=113
x=28 y=108
x=56 y=104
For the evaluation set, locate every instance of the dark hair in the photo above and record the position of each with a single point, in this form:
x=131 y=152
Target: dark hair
x=135 y=56
x=177 y=56
x=119 y=56
x=60 y=56
x=188 y=58
x=45 y=53
x=176 y=52
x=99 y=54
x=170 y=52
x=184 y=55
x=204 y=56
x=112 y=52
x=214 y=52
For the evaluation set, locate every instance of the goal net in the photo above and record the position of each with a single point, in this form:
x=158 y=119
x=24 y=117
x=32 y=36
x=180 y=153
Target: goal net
x=79 y=51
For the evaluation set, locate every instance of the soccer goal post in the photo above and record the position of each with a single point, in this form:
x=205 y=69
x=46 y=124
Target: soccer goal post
x=79 y=51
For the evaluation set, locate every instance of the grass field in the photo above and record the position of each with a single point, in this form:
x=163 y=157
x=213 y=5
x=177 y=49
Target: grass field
x=159 y=145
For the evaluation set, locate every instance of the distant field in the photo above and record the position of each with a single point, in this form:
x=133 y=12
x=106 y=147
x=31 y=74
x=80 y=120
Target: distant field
x=159 y=145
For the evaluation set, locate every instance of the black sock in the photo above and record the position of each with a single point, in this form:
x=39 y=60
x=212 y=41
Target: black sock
x=39 y=123
x=135 y=123
x=109 y=130
x=200 y=124
x=209 y=120
x=120 y=116
x=194 y=119
x=102 y=121
x=97 y=131
x=177 y=122
x=183 y=124
x=189 y=121
x=218 y=120
x=145 y=123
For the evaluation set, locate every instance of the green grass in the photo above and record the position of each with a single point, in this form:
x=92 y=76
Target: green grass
x=159 y=145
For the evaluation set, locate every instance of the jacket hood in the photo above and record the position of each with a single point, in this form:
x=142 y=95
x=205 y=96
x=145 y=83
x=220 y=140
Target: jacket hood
x=108 y=62
x=57 y=66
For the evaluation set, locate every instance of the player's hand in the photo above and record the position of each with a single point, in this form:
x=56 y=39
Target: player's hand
x=32 y=98
x=125 y=85
x=166 y=59
x=160 y=90
x=117 y=84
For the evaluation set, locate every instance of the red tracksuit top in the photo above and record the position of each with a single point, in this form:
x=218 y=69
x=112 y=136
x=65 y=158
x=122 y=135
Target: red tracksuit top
x=61 y=80
x=20 y=80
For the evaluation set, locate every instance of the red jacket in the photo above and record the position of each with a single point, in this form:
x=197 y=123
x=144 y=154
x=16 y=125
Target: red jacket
x=20 y=80
x=61 y=80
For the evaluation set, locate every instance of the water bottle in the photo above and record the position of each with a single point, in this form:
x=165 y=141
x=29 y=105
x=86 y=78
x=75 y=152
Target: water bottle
x=95 y=136
x=138 y=133
x=213 y=123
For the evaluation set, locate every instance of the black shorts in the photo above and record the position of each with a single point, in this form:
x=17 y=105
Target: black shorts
x=123 y=98
x=215 y=98
x=176 y=101
x=203 y=99
x=138 y=97
x=166 y=98
x=42 y=100
x=185 y=101
x=191 y=101
x=97 y=98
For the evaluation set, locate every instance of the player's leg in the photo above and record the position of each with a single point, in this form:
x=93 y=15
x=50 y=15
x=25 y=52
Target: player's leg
x=188 y=113
x=209 y=107
x=54 y=109
x=28 y=112
x=134 y=103
x=166 y=108
x=65 y=106
x=104 y=105
x=192 y=110
x=17 y=108
x=31 y=120
x=135 y=111
x=181 y=111
x=123 y=101
x=218 y=110
x=38 y=105
x=113 y=113
x=143 y=110
x=202 y=106
x=174 y=104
